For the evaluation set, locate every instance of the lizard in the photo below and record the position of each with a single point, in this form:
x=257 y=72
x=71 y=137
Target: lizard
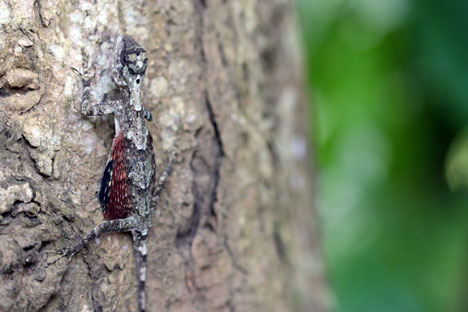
x=128 y=192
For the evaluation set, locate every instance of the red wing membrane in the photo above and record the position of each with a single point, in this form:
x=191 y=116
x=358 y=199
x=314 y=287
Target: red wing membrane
x=114 y=192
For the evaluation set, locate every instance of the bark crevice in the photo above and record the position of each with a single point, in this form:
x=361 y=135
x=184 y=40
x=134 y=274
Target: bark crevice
x=205 y=165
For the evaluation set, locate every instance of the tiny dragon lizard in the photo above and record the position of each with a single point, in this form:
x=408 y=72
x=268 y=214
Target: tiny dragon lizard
x=128 y=194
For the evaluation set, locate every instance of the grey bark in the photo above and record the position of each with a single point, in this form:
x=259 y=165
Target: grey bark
x=235 y=230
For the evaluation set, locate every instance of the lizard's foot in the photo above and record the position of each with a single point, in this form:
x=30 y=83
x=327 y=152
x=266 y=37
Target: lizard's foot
x=64 y=253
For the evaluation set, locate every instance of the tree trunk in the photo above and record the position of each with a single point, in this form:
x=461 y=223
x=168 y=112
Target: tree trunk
x=235 y=229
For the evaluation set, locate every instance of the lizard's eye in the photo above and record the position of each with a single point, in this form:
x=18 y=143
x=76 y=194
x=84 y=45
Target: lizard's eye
x=136 y=63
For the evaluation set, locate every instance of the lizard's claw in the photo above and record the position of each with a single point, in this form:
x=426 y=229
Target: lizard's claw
x=65 y=253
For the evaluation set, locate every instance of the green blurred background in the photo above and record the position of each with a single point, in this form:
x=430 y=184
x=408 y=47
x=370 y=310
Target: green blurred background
x=389 y=104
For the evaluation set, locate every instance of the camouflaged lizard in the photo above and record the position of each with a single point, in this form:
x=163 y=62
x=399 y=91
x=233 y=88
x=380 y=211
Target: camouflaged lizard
x=128 y=193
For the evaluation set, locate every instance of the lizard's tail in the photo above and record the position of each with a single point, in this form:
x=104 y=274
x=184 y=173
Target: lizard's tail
x=140 y=251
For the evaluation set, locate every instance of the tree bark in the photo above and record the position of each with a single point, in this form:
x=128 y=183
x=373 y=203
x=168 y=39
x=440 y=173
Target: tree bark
x=235 y=229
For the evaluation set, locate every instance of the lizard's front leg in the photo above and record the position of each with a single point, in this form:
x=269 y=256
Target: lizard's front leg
x=91 y=108
x=147 y=114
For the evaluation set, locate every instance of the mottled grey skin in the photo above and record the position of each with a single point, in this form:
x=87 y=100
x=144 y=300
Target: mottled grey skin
x=130 y=61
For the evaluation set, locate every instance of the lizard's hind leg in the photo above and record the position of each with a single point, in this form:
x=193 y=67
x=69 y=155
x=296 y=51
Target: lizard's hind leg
x=117 y=225
x=159 y=188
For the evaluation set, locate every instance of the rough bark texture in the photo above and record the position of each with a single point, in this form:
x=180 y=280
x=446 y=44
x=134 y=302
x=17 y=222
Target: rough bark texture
x=235 y=230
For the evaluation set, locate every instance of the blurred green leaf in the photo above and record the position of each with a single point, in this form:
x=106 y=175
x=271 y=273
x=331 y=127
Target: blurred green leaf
x=388 y=87
x=457 y=163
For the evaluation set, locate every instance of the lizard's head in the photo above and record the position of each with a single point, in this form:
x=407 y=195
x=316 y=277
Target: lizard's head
x=130 y=61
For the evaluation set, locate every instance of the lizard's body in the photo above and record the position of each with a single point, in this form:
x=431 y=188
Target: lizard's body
x=128 y=194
